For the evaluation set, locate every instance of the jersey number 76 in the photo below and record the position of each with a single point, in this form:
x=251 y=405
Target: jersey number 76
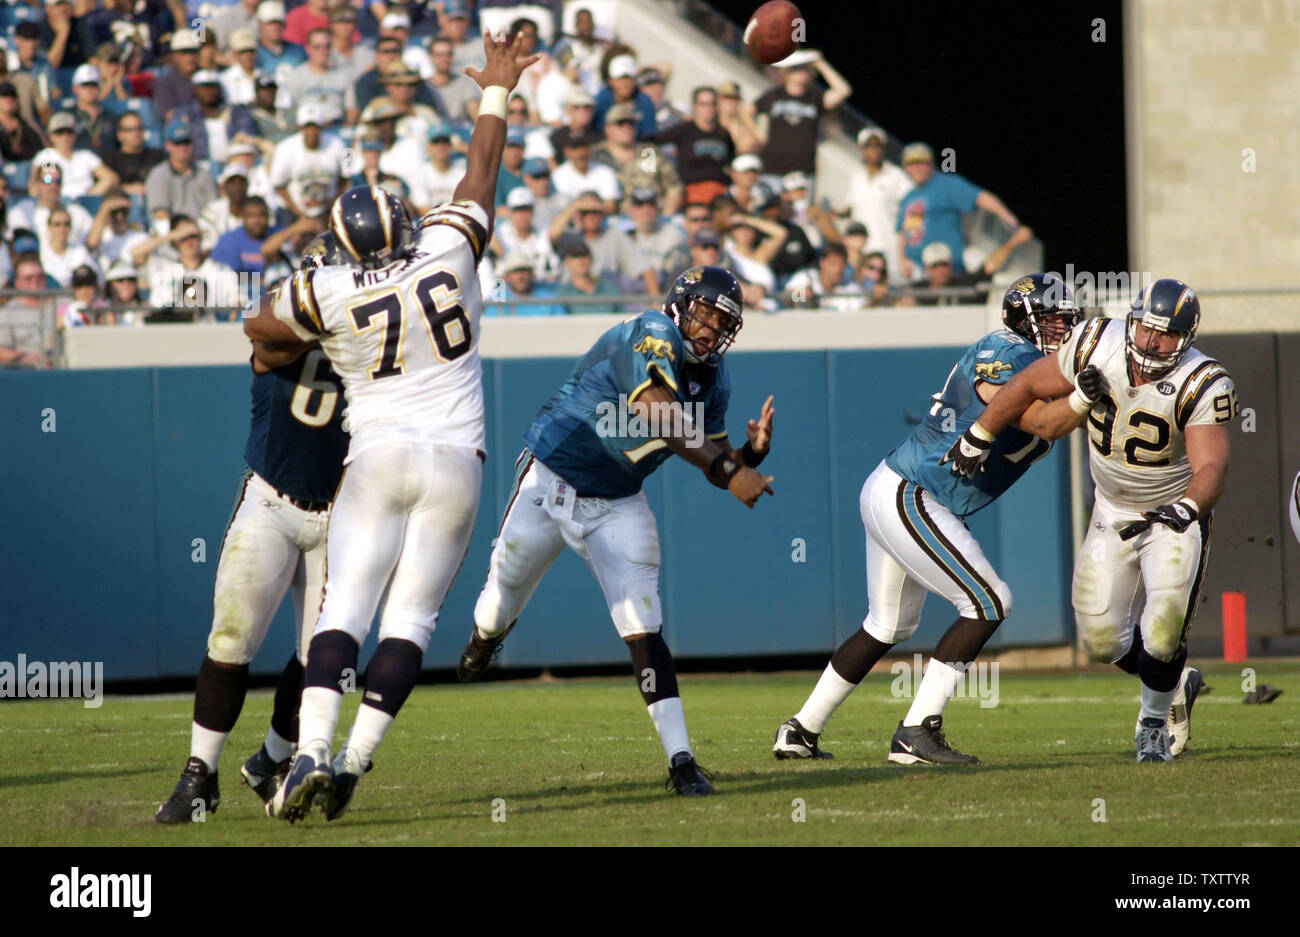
x=437 y=296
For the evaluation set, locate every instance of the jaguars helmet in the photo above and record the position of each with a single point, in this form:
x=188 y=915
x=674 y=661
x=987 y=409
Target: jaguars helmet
x=372 y=225
x=694 y=294
x=324 y=251
x=1032 y=301
x=1166 y=305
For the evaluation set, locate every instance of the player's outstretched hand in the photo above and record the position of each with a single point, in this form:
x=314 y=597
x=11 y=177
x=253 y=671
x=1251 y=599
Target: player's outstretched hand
x=759 y=432
x=969 y=452
x=504 y=64
x=748 y=485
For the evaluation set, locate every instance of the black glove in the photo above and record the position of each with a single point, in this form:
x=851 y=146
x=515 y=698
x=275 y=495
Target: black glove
x=968 y=453
x=1177 y=516
x=1091 y=383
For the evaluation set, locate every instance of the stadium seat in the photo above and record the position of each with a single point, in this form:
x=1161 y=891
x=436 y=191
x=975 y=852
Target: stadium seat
x=90 y=203
x=116 y=107
x=16 y=174
x=143 y=107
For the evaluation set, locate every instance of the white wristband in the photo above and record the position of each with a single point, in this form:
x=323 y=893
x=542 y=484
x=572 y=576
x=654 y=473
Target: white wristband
x=494 y=101
x=980 y=432
x=1192 y=504
x=1079 y=403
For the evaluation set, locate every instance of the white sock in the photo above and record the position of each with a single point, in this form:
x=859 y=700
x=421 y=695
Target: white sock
x=670 y=723
x=1155 y=704
x=207 y=744
x=830 y=691
x=277 y=747
x=317 y=717
x=937 y=687
x=368 y=730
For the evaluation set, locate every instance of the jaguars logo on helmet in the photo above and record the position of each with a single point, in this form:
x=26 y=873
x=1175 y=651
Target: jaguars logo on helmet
x=692 y=296
x=1166 y=305
x=372 y=225
x=1040 y=308
x=324 y=251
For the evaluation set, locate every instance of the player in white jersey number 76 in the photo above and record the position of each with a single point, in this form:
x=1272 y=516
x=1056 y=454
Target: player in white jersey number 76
x=402 y=334
x=1159 y=459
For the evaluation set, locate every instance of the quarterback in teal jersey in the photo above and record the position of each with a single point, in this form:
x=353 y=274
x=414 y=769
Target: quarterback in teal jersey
x=914 y=510
x=651 y=387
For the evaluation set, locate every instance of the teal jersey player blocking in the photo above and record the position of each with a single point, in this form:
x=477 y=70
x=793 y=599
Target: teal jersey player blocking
x=913 y=509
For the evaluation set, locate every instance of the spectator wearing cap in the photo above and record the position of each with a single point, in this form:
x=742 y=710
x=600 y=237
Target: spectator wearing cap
x=651 y=234
x=578 y=109
x=745 y=170
x=176 y=186
x=122 y=294
x=613 y=252
x=86 y=306
x=272 y=49
x=580 y=278
x=457 y=92
x=788 y=118
x=637 y=165
x=932 y=210
x=547 y=203
x=651 y=82
x=19 y=140
x=520 y=283
x=454 y=24
x=694 y=217
x=26 y=325
x=510 y=175
x=816 y=221
x=346 y=53
x=828 y=285
x=388 y=50
x=588 y=48
x=302 y=19
x=578 y=174
x=94 y=126
x=875 y=190
x=173 y=87
x=111 y=235
x=225 y=21
x=33 y=62
x=240 y=247
x=33 y=213
x=238 y=79
x=704 y=148
x=414 y=119
x=107 y=60
x=369 y=172
x=735 y=119
x=131 y=159
x=84 y=173
x=938 y=262
x=397 y=24
x=520 y=234
x=33 y=105
x=187 y=278
x=317 y=80
x=620 y=73
x=307 y=165
x=274 y=123
x=215 y=123
x=224 y=213
x=436 y=177
x=753 y=242
x=797 y=252
x=60 y=255
x=379 y=120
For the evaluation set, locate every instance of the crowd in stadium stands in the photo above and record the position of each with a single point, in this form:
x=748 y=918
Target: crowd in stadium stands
x=162 y=157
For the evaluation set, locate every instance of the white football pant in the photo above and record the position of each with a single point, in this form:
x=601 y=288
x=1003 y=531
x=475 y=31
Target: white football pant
x=270 y=545
x=617 y=539
x=399 y=529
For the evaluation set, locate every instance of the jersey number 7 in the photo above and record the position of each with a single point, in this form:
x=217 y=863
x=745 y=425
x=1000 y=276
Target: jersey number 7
x=437 y=297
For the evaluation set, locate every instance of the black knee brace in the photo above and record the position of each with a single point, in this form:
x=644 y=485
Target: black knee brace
x=288 y=699
x=1129 y=662
x=391 y=674
x=329 y=655
x=964 y=640
x=854 y=658
x=652 y=666
x=1161 y=676
x=219 y=695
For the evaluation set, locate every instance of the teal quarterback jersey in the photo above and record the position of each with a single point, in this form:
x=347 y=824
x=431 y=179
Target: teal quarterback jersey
x=992 y=360
x=584 y=433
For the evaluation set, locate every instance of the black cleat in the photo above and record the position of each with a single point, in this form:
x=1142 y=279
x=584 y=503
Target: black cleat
x=307 y=778
x=196 y=789
x=794 y=741
x=346 y=776
x=925 y=745
x=263 y=774
x=478 y=654
x=687 y=778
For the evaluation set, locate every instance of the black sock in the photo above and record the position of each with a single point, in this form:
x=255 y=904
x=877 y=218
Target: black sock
x=652 y=667
x=854 y=658
x=219 y=695
x=391 y=674
x=288 y=698
x=330 y=654
x=1161 y=676
x=964 y=640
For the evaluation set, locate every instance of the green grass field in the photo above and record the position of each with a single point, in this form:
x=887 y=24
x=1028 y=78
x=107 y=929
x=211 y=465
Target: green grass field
x=577 y=763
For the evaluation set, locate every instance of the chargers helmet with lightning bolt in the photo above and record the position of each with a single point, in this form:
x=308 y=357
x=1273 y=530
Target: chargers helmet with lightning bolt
x=696 y=293
x=1030 y=305
x=372 y=225
x=1167 y=305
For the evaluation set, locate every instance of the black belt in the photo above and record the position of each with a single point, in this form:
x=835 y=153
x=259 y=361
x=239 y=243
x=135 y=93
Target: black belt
x=304 y=504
